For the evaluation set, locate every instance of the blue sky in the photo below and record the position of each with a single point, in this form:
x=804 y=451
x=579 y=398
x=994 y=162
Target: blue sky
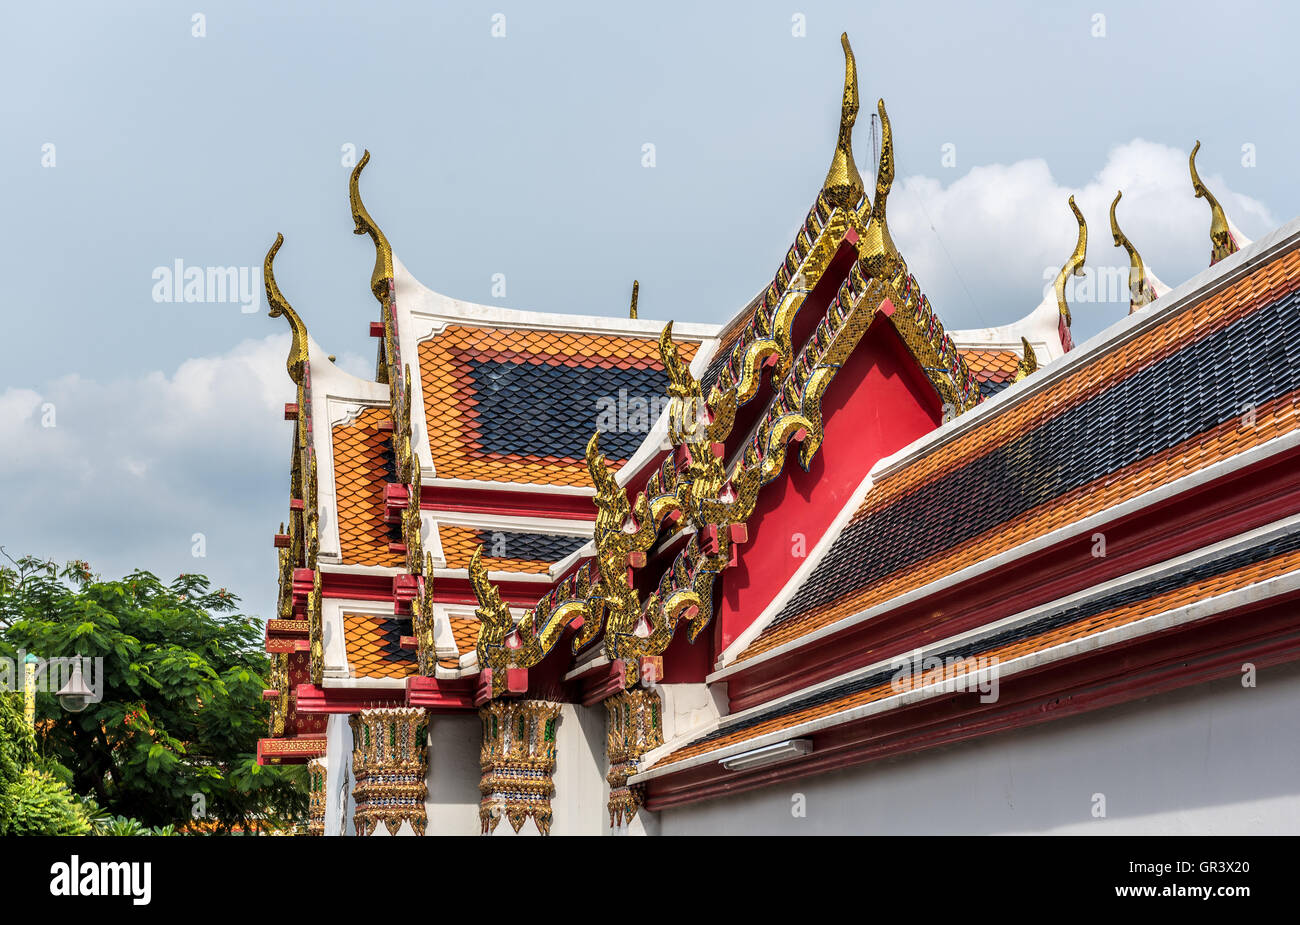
x=522 y=155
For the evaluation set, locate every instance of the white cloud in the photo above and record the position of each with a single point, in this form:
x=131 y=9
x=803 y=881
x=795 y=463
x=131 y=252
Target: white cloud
x=131 y=469
x=1001 y=226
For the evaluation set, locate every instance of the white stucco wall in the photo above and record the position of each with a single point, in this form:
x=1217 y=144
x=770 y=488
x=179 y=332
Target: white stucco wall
x=1212 y=759
x=452 y=803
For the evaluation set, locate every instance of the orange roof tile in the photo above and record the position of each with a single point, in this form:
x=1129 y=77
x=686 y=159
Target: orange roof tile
x=459 y=543
x=461 y=449
x=373 y=649
x=361 y=470
x=465 y=631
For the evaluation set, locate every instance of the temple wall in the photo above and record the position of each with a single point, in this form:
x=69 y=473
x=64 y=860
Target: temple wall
x=581 y=791
x=452 y=804
x=1211 y=759
x=338 y=777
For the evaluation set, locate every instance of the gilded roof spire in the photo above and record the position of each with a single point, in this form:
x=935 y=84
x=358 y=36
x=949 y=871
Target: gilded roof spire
x=279 y=305
x=879 y=255
x=383 y=271
x=1073 y=266
x=1221 y=240
x=843 y=186
x=1140 y=292
x=636 y=286
x=1027 y=365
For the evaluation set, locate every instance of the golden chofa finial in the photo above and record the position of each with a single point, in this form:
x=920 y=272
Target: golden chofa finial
x=1027 y=365
x=1140 y=292
x=383 y=271
x=636 y=287
x=279 y=305
x=1221 y=240
x=843 y=186
x=1073 y=266
x=878 y=254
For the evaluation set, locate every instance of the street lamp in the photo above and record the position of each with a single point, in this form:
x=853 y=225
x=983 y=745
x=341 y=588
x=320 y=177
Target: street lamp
x=75 y=695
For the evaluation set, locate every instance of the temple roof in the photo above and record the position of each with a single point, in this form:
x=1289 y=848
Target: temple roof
x=1144 y=405
x=518 y=405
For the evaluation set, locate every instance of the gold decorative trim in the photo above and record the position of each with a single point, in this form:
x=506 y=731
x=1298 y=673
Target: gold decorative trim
x=843 y=187
x=634 y=727
x=1028 y=363
x=279 y=305
x=518 y=763
x=389 y=761
x=1140 y=292
x=1073 y=266
x=383 y=271
x=1222 y=243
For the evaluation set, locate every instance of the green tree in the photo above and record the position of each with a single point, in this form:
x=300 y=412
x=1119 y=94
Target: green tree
x=173 y=739
x=32 y=800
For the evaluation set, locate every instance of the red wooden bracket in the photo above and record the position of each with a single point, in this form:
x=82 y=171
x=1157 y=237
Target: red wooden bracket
x=376 y=329
x=291 y=411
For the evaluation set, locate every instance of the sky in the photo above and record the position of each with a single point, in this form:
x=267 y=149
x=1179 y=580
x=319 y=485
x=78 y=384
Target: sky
x=137 y=432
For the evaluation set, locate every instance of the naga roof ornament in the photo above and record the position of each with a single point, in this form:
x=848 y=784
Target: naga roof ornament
x=1073 y=266
x=279 y=305
x=631 y=312
x=1222 y=242
x=879 y=255
x=383 y=271
x=1140 y=292
x=844 y=187
x=1028 y=363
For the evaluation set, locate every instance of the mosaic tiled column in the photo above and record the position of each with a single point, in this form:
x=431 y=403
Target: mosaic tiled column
x=635 y=727
x=518 y=761
x=389 y=758
x=316 y=807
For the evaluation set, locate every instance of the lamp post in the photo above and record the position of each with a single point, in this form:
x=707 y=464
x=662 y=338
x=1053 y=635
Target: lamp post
x=29 y=690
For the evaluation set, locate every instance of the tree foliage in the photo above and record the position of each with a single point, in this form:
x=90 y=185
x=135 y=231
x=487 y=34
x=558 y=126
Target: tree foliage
x=173 y=739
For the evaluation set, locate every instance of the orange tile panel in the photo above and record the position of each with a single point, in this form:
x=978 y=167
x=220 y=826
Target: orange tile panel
x=361 y=451
x=449 y=396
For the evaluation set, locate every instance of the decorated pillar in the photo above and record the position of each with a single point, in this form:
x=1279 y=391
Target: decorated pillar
x=635 y=727
x=316 y=807
x=389 y=758
x=518 y=762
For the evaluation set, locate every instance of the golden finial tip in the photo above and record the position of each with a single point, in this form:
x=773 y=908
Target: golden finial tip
x=636 y=287
x=843 y=186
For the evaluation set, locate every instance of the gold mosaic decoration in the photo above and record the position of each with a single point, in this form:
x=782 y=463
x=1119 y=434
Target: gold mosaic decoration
x=1140 y=292
x=1073 y=266
x=694 y=486
x=278 y=681
x=635 y=725
x=1222 y=243
x=843 y=187
x=315 y=630
x=422 y=622
x=389 y=759
x=1028 y=363
x=316 y=777
x=518 y=762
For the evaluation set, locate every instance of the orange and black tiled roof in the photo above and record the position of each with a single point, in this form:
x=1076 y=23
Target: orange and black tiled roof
x=1227 y=572
x=465 y=631
x=363 y=465
x=504 y=550
x=373 y=646
x=993 y=370
x=1164 y=404
x=515 y=405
